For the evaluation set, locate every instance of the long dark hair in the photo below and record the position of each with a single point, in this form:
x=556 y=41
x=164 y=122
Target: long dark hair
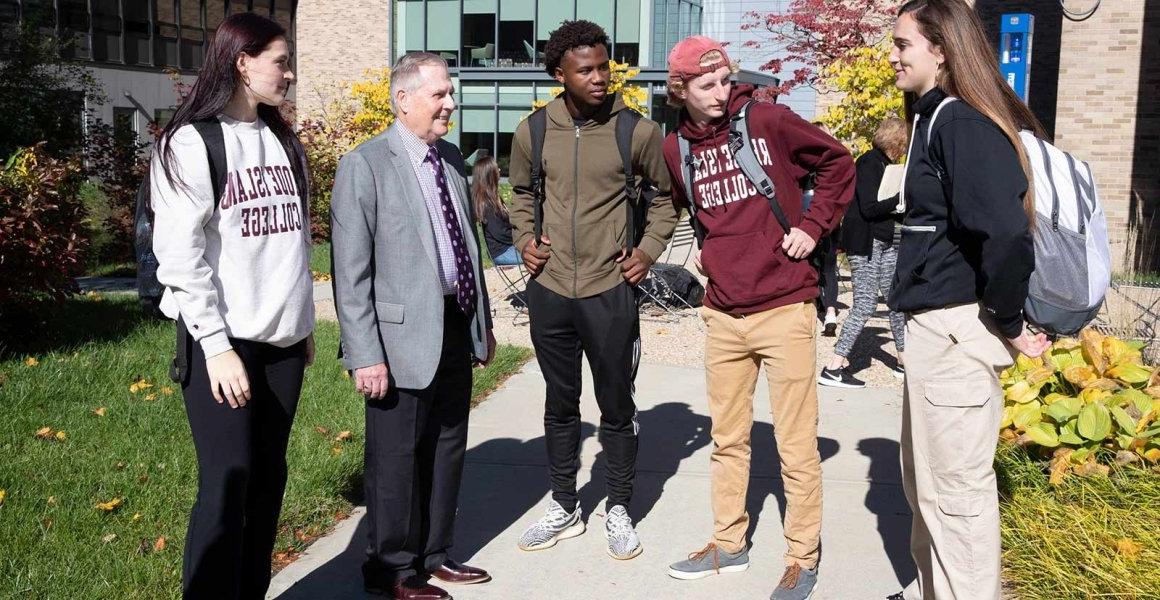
x=972 y=74
x=219 y=80
x=485 y=188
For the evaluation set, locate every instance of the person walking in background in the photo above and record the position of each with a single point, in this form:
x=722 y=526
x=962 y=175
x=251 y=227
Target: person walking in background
x=414 y=316
x=491 y=213
x=964 y=263
x=245 y=340
x=759 y=307
x=868 y=233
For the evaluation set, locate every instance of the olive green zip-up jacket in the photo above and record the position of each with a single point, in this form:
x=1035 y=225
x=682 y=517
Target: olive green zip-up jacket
x=584 y=204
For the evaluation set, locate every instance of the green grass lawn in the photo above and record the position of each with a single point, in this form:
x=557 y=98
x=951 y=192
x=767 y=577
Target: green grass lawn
x=56 y=543
x=1094 y=537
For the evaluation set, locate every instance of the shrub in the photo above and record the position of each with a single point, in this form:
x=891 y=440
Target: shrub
x=42 y=230
x=1085 y=403
x=118 y=164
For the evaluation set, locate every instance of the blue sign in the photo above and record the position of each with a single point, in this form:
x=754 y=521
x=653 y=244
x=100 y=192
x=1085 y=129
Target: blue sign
x=1015 y=33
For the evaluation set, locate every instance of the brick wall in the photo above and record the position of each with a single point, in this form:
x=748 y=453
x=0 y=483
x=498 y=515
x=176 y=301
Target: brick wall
x=336 y=40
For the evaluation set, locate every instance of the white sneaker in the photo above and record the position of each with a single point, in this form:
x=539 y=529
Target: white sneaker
x=623 y=543
x=556 y=524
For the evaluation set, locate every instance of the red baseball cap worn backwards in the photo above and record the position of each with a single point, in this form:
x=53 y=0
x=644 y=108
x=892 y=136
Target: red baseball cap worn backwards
x=685 y=57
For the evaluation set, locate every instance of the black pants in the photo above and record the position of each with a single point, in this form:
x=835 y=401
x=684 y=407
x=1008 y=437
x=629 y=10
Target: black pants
x=827 y=261
x=606 y=328
x=241 y=465
x=415 y=445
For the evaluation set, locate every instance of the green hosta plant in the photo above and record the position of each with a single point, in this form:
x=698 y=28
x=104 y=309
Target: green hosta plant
x=1085 y=402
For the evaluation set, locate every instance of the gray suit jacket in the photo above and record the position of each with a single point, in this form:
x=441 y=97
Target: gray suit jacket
x=386 y=279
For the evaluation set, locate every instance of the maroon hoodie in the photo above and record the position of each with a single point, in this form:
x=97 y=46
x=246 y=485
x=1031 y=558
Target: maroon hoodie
x=748 y=271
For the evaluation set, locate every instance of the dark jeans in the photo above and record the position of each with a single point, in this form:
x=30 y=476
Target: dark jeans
x=241 y=464
x=605 y=328
x=415 y=445
x=827 y=257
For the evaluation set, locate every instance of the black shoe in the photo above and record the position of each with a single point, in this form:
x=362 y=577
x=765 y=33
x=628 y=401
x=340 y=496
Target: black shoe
x=897 y=596
x=898 y=371
x=831 y=329
x=840 y=378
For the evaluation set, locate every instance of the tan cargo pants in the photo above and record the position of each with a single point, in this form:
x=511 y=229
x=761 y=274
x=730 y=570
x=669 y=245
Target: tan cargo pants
x=952 y=407
x=783 y=340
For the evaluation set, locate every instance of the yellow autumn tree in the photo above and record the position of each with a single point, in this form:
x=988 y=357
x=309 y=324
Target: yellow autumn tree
x=635 y=96
x=865 y=80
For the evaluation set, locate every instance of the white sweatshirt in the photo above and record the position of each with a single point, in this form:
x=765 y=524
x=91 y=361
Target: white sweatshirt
x=242 y=270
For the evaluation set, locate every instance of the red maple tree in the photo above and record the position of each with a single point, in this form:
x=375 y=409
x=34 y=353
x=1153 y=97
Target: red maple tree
x=816 y=33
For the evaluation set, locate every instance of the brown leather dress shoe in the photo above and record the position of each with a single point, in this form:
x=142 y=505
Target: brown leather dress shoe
x=455 y=573
x=414 y=588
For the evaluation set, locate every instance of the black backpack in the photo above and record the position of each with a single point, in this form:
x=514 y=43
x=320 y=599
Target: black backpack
x=671 y=287
x=149 y=290
x=639 y=195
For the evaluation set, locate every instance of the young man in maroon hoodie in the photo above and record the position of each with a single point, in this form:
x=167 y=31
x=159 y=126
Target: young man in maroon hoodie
x=759 y=306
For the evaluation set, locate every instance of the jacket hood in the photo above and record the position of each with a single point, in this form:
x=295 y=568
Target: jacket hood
x=559 y=115
x=741 y=93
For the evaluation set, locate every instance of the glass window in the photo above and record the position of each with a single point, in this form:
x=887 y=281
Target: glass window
x=124 y=125
x=544 y=91
x=552 y=12
x=238 y=6
x=284 y=14
x=503 y=152
x=215 y=13
x=192 y=38
x=443 y=25
x=41 y=13
x=626 y=45
x=475 y=145
x=74 y=28
x=478 y=40
x=409 y=26
x=137 y=33
x=106 y=30
x=476 y=93
x=599 y=12
x=478 y=119
x=162 y=116
x=9 y=22
x=165 y=35
x=516 y=93
x=517 y=40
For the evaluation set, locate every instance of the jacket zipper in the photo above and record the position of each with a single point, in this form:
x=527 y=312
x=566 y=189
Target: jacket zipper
x=575 y=203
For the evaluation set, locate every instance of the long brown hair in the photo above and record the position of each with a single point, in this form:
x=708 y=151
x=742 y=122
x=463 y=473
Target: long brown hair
x=971 y=73
x=485 y=188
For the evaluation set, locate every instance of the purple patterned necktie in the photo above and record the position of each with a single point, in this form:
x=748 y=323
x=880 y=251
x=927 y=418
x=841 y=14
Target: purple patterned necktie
x=465 y=275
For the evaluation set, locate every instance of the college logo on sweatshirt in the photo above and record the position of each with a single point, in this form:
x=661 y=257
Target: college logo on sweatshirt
x=719 y=179
x=250 y=184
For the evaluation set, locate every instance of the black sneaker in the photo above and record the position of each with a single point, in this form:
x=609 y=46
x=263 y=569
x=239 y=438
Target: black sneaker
x=831 y=326
x=840 y=378
x=897 y=370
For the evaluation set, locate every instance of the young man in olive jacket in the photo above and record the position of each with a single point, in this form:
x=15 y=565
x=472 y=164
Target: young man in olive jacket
x=584 y=267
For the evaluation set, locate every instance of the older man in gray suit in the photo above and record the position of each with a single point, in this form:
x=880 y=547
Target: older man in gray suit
x=414 y=313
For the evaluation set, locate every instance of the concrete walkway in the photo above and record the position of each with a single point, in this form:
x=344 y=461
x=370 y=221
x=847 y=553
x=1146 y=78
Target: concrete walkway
x=505 y=486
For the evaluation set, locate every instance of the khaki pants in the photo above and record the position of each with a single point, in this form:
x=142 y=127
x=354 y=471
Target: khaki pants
x=952 y=407
x=735 y=348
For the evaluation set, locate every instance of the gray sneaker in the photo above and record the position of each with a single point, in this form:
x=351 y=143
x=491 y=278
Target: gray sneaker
x=709 y=560
x=622 y=541
x=796 y=584
x=557 y=524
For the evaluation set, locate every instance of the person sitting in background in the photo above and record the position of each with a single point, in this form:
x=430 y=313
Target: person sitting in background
x=489 y=209
x=868 y=232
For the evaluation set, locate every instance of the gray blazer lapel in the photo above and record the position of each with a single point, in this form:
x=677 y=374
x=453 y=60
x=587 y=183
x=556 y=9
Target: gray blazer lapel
x=413 y=195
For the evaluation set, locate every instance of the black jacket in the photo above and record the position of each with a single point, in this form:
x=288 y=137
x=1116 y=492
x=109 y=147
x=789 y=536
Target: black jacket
x=981 y=247
x=497 y=231
x=868 y=219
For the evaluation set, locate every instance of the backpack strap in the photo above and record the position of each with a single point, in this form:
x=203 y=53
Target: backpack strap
x=626 y=121
x=538 y=127
x=688 y=166
x=913 y=135
x=1084 y=212
x=1051 y=180
x=210 y=131
x=742 y=149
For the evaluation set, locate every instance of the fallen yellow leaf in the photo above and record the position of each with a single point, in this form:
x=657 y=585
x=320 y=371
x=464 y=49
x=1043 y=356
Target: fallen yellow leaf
x=322 y=430
x=140 y=384
x=100 y=412
x=109 y=506
x=31 y=361
x=1128 y=548
x=44 y=433
x=336 y=450
x=159 y=545
x=136 y=517
x=60 y=435
x=343 y=436
x=108 y=537
x=166 y=390
x=150 y=397
x=3 y=495
x=52 y=500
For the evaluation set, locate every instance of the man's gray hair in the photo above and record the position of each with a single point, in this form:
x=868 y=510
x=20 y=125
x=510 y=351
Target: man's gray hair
x=406 y=75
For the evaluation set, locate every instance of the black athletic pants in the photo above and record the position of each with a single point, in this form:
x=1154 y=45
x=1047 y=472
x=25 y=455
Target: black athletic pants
x=415 y=444
x=606 y=329
x=827 y=251
x=241 y=465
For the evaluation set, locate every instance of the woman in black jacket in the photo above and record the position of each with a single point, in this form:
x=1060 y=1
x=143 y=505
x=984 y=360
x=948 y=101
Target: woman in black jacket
x=963 y=265
x=868 y=238
x=491 y=212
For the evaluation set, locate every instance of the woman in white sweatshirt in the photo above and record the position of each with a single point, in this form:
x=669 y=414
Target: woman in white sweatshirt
x=236 y=272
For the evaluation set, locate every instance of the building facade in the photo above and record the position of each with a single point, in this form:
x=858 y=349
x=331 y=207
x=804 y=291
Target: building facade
x=129 y=45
